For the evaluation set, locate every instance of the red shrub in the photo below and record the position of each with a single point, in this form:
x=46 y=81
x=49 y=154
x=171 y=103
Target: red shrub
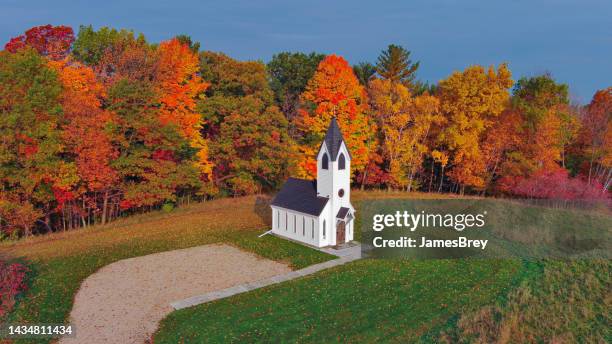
x=12 y=282
x=555 y=185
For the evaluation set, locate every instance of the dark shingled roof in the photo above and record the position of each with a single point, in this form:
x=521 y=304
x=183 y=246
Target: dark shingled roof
x=333 y=140
x=342 y=213
x=300 y=195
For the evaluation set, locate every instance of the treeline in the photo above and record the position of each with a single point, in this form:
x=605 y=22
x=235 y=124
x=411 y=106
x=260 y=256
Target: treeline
x=104 y=123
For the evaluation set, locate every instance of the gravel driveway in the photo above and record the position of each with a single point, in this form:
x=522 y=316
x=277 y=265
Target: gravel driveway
x=124 y=301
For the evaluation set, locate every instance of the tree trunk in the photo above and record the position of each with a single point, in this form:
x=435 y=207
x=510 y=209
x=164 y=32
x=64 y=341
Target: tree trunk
x=441 y=179
x=591 y=165
x=410 y=179
x=364 y=177
x=104 y=206
x=431 y=175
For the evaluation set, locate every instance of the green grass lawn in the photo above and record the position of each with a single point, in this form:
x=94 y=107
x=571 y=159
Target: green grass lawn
x=569 y=302
x=429 y=301
x=365 y=301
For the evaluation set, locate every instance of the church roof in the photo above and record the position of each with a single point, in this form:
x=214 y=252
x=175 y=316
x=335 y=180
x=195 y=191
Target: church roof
x=300 y=195
x=333 y=140
x=342 y=212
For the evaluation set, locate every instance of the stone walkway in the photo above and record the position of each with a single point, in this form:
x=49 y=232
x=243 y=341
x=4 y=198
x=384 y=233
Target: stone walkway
x=345 y=255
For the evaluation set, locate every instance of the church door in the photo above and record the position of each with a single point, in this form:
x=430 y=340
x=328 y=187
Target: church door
x=340 y=232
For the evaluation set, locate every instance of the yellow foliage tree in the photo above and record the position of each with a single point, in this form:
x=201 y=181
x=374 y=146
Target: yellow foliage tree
x=405 y=124
x=470 y=101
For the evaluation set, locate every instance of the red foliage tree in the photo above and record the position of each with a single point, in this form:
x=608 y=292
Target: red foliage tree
x=53 y=42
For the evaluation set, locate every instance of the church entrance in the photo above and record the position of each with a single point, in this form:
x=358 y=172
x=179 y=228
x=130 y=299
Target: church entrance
x=340 y=233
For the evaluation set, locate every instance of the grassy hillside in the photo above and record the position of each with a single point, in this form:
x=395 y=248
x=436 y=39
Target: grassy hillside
x=60 y=262
x=366 y=301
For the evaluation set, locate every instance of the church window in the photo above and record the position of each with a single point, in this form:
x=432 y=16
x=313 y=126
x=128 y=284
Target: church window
x=325 y=162
x=341 y=162
x=323 y=229
x=312 y=227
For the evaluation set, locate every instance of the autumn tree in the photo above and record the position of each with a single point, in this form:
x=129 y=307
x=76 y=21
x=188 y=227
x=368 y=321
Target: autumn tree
x=394 y=64
x=405 y=124
x=179 y=87
x=91 y=45
x=31 y=164
x=333 y=91
x=534 y=96
x=549 y=125
x=128 y=57
x=249 y=141
x=152 y=92
x=86 y=134
x=289 y=73
x=501 y=142
x=595 y=135
x=49 y=41
x=471 y=100
x=155 y=162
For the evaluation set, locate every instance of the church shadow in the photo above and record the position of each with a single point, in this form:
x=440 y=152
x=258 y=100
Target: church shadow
x=262 y=209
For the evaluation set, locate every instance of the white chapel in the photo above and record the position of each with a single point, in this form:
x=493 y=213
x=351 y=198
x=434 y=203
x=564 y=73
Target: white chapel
x=319 y=212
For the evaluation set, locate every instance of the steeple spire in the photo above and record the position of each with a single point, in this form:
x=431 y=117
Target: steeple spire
x=333 y=139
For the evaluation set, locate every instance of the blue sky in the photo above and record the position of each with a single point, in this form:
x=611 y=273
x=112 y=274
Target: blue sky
x=570 y=39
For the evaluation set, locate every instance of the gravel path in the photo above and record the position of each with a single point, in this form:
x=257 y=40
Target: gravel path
x=124 y=301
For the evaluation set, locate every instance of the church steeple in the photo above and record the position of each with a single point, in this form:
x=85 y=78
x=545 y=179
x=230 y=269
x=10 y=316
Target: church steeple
x=334 y=166
x=333 y=139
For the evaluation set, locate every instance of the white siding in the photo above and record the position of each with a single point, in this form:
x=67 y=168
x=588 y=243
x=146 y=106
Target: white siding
x=296 y=226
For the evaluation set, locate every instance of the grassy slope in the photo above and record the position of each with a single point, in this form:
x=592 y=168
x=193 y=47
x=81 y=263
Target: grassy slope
x=60 y=262
x=366 y=301
x=570 y=302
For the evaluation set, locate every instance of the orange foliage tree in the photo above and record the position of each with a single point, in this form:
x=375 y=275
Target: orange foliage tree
x=333 y=91
x=180 y=86
x=87 y=131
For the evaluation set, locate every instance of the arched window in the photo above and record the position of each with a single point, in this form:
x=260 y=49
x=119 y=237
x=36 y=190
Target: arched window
x=312 y=227
x=341 y=162
x=325 y=162
x=323 y=229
